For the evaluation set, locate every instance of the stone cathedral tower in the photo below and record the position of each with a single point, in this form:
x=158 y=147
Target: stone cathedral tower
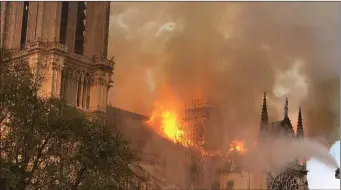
x=67 y=43
x=294 y=175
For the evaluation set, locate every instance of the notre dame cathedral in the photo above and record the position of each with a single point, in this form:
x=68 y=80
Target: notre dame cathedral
x=67 y=43
x=294 y=176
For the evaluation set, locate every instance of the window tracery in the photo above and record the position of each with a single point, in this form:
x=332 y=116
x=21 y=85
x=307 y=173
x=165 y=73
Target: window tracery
x=284 y=181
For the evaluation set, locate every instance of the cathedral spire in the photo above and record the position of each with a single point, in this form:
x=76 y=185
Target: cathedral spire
x=264 y=120
x=300 y=132
x=264 y=116
x=286 y=108
x=286 y=123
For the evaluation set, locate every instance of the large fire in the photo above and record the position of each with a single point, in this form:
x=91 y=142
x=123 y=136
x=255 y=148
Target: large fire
x=167 y=122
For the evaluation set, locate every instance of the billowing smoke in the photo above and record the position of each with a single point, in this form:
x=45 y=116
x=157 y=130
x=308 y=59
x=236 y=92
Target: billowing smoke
x=231 y=52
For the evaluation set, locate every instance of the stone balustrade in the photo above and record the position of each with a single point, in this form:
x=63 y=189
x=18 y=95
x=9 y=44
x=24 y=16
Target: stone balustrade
x=63 y=49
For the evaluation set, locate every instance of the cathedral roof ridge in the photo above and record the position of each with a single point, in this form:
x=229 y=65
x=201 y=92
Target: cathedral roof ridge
x=127 y=111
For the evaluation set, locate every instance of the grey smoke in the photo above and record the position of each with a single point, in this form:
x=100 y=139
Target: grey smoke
x=283 y=151
x=232 y=52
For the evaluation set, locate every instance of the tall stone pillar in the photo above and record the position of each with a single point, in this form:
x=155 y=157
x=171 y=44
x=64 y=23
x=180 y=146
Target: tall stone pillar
x=71 y=25
x=51 y=21
x=2 y=22
x=57 y=69
x=14 y=16
x=96 y=29
x=73 y=89
x=49 y=68
x=80 y=95
x=32 y=21
x=38 y=36
x=95 y=93
x=69 y=89
x=99 y=91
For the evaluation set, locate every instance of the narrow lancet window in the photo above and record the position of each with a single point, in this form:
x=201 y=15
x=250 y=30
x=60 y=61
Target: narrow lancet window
x=24 y=24
x=80 y=28
x=64 y=22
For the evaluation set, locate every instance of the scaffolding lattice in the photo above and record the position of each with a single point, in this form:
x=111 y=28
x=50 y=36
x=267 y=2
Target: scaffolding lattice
x=196 y=114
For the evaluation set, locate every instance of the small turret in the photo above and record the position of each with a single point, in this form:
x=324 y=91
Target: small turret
x=286 y=123
x=264 y=116
x=264 y=119
x=300 y=132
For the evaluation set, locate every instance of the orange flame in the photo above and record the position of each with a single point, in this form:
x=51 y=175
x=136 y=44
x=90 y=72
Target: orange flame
x=169 y=125
x=166 y=120
x=238 y=146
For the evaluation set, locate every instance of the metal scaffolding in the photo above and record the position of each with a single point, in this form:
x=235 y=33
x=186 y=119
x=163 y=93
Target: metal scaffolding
x=196 y=114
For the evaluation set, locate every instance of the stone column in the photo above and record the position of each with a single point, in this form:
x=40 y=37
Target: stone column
x=2 y=22
x=33 y=63
x=42 y=67
x=58 y=70
x=73 y=89
x=71 y=25
x=68 y=82
x=32 y=21
x=95 y=91
x=81 y=91
x=53 y=78
x=105 y=94
x=101 y=95
x=40 y=22
x=14 y=17
x=57 y=20
x=54 y=73
x=94 y=95
x=96 y=29
x=51 y=21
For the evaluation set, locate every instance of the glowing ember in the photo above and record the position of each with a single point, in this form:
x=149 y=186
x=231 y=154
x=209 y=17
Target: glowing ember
x=238 y=146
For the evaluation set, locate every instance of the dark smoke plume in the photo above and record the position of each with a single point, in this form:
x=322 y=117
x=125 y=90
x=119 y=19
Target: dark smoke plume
x=231 y=52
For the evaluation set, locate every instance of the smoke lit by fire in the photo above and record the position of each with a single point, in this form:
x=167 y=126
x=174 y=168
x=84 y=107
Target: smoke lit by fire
x=216 y=48
x=167 y=122
x=232 y=52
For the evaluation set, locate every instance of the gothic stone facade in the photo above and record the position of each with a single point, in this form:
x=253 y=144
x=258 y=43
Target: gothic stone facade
x=66 y=43
x=293 y=176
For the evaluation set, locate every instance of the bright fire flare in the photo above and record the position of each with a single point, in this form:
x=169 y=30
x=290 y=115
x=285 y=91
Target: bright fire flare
x=238 y=146
x=166 y=122
x=170 y=126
